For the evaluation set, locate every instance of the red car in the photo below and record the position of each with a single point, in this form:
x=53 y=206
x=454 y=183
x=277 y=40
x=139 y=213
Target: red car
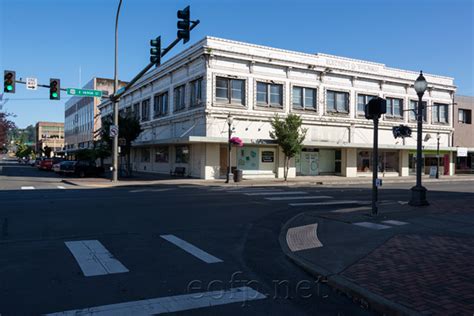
x=47 y=164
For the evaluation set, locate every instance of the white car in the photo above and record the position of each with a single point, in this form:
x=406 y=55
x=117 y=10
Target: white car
x=56 y=167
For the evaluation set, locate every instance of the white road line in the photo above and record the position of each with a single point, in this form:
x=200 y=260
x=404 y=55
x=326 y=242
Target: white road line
x=253 y=191
x=371 y=225
x=149 y=190
x=352 y=209
x=283 y=198
x=27 y=188
x=195 y=251
x=329 y=203
x=61 y=187
x=394 y=222
x=171 y=304
x=277 y=193
x=93 y=258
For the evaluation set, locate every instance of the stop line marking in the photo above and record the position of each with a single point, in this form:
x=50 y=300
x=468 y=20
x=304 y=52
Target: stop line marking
x=283 y=198
x=27 y=188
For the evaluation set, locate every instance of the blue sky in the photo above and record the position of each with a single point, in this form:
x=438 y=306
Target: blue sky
x=56 y=38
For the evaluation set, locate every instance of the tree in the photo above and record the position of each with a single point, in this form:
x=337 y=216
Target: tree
x=289 y=135
x=129 y=129
x=23 y=150
x=102 y=150
x=5 y=128
x=47 y=151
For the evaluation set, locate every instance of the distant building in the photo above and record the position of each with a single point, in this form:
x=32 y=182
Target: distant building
x=183 y=107
x=82 y=118
x=49 y=134
x=464 y=133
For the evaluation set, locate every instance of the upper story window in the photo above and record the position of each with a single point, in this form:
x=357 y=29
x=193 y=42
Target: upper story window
x=362 y=100
x=196 y=92
x=146 y=110
x=464 y=116
x=160 y=104
x=337 y=101
x=394 y=108
x=136 y=111
x=269 y=94
x=179 y=98
x=231 y=91
x=414 y=106
x=440 y=113
x=304 y=98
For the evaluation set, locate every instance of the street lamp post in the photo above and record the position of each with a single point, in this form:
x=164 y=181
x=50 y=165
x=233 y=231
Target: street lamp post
x=230 y=120
x=115 y=101
x=438 y=136
x=418 y=192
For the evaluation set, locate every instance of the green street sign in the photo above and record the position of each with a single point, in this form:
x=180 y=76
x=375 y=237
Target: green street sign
x=84 y=92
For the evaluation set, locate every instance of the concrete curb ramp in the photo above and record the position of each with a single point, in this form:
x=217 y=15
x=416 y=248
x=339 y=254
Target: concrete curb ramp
x=292 y=239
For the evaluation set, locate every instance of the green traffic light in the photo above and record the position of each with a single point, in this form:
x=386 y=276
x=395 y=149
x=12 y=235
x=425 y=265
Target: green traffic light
x=55 y=95
x=9 y=88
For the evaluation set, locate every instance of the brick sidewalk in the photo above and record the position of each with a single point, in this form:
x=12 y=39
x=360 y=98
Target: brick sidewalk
x=430 y=274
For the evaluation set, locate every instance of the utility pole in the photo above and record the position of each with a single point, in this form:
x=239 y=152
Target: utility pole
x=115 y=101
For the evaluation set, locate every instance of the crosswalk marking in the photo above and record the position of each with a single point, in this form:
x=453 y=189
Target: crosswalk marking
x=93 y=258
x=61 y=187
x=27 y=188
x=189 y=248
x=277 y=193
x=394 y=222
x=329 y=203
x=371 y=225
x=171 y=304
x=283 y=198
x=303 y=237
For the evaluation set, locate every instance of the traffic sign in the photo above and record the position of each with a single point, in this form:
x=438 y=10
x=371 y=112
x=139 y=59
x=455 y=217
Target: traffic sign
x=84 y=92
x=113 y=130
x=31 y=83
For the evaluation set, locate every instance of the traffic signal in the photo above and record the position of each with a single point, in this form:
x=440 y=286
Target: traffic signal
x=9 y=78
x=375 y=108
x=54 y=89
x=401 y=131
x=155 y=51
x=184 y=25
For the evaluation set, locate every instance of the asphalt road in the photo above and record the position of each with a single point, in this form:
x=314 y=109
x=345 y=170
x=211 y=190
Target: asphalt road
x=163 y=248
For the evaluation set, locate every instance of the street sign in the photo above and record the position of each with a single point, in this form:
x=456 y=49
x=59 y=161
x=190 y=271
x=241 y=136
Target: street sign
x=84 y=92
x=113 y=130
x=31 y=83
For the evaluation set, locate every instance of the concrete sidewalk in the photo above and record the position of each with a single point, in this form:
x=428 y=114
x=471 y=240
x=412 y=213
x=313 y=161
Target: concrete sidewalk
x=141 y=179
x=405 y=261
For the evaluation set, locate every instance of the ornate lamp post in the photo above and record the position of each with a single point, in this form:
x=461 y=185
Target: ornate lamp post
x=418 y=192
x=230 y=120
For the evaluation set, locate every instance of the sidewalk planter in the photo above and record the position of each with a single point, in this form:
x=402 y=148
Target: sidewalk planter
x=238 y=175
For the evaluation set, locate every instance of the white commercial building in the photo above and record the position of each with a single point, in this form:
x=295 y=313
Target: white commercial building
x=183 y=106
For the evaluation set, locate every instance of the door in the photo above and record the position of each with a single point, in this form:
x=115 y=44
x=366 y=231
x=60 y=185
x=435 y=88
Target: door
x=309 y=163
x=223 y=161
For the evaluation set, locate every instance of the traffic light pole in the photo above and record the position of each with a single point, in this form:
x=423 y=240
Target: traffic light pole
x=375 y=166
x=115 y=101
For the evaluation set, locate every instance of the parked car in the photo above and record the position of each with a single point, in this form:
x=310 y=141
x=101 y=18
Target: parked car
x=47 y=164
x=84 y=168
x=67 y=166
x=56 y=167
x=37 y=162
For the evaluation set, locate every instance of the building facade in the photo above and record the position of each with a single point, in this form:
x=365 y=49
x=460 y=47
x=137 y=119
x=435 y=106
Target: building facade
x=49 y=134
x=183 y=106
x=81 y=117
x=464 y=133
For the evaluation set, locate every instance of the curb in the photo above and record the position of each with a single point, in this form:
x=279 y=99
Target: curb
x=359 y=294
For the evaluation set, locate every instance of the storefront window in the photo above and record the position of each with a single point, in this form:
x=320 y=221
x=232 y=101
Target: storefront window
x=388 y=161
x=145 y=155
x=162 y=154
x=182 y=154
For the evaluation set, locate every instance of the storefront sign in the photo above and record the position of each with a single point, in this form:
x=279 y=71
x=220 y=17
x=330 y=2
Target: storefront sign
x=268 y=156
x=433 y=172
x=462 y=152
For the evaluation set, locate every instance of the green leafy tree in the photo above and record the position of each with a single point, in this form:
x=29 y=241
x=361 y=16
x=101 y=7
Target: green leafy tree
x=85 y=154
x=23 y=150
x=47 y=151
x=102 y=150
x=129 y=130
x=289 y=135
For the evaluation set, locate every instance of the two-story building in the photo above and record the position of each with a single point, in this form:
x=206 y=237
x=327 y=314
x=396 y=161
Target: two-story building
x=49 y=134
x=464 y=133
x=184 y=104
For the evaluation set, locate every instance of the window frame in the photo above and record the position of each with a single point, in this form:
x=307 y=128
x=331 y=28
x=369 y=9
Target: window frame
x=391 y=115
x=143 y=157
x=196 y=99
x=145 y=115
x=187 y=155
x=229 y=100
x=436 y=120
x=158 y=104
x=335 y=110
x=182 y=97
x=136 y=110
x=304 y=107
x=410 y=111
x=366 y=100
x=466 y=116
x=268 y=93
x=166 y=154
